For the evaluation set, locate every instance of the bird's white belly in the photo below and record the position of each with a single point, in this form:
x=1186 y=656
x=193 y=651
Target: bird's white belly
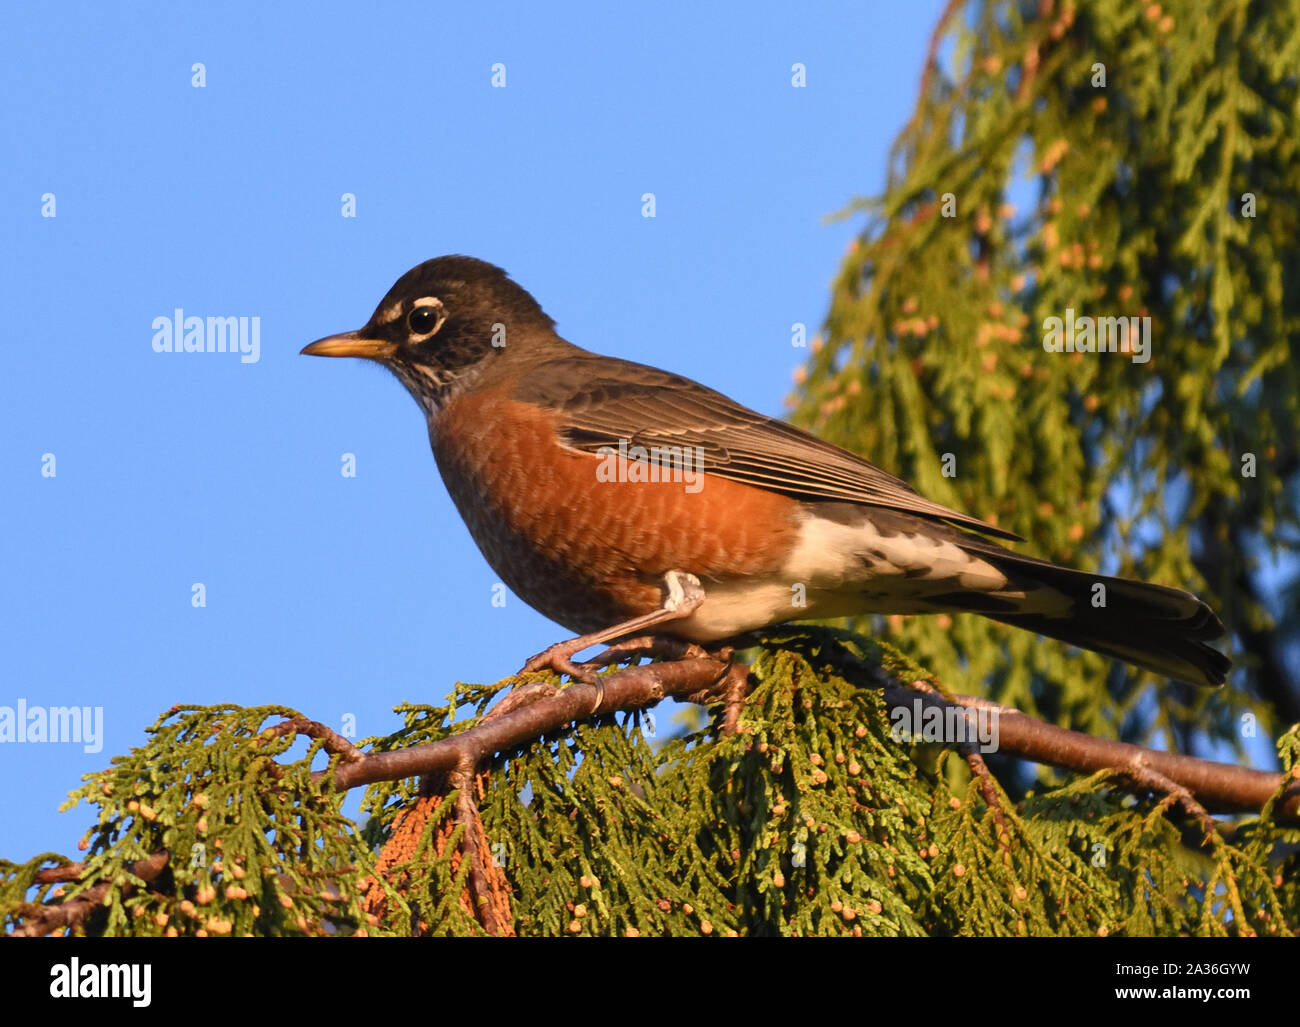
x=840 y=570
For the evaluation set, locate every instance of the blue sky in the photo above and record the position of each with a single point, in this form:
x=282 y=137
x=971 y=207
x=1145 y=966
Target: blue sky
x=345 y=596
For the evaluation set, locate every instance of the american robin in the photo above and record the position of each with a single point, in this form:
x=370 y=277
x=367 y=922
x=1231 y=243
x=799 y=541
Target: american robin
x=618 y=499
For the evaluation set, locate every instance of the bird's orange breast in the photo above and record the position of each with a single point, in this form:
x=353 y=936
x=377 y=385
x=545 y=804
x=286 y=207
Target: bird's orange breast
x=585 y=550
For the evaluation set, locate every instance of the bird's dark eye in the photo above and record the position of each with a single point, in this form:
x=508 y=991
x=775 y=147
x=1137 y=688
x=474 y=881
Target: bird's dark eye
x=423 y=320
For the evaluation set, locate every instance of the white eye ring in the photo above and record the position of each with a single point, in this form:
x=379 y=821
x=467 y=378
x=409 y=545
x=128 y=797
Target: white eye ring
x=420 y=304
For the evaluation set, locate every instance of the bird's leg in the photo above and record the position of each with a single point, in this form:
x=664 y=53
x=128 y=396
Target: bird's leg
x=684 y=596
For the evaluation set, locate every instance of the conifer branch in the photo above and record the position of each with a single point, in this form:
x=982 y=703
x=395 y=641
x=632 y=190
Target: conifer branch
x=538 y=708
x=50 y=917
x=544 y=709
x=488 y=897
x=1218 y=787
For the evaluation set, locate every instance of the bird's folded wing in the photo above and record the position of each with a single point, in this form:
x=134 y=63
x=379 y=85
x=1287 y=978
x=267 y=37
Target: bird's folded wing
x=602 y=402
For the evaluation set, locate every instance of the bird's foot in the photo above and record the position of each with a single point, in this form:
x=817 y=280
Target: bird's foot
x=683 y=595
x=559 y=658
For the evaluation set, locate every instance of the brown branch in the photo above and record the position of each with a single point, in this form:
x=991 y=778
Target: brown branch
x=634 y=688
x=335 y=743
x=736 y=690
x=1144 y=777
x=59 y=875
x=989 y=789
x=979 y=769
x=487 y=887
x=46 y=919
x=932 y=58
x=1220 y=787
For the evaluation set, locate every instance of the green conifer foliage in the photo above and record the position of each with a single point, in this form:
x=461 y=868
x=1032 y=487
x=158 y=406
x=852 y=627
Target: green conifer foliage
x=813 y=817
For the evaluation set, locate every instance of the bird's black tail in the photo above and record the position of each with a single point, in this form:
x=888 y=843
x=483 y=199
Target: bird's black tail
x=1161 y=629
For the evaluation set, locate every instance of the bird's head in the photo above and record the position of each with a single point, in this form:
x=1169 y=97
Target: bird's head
x=440 y=326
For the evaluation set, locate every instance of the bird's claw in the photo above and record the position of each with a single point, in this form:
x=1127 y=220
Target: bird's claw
x=559 y=658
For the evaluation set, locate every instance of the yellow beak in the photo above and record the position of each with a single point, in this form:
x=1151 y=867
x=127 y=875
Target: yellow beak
x=351 y=344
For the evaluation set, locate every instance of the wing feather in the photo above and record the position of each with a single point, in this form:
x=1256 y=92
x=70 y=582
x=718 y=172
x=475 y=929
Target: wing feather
x=602 y=400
